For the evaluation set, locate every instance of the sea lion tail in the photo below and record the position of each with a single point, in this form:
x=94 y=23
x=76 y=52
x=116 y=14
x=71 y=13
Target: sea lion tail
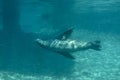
x=95 y=45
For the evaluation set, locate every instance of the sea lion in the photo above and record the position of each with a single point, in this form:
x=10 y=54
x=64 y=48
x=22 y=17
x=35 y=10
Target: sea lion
x=64 y=46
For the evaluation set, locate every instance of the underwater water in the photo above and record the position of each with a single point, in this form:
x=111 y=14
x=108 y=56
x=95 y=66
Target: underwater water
x=92 y=20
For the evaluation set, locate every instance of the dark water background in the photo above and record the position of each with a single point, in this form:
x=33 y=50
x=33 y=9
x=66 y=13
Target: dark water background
x=93 y=15
x=96 y=19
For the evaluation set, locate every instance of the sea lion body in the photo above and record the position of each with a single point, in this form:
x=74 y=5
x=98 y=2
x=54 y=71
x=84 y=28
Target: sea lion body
x=63 y=45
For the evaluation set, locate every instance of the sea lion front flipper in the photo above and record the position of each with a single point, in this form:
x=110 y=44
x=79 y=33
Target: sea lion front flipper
x=65 y=35
x=67 y=55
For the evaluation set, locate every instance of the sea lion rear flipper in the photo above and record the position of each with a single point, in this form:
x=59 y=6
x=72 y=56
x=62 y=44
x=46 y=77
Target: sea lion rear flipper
x=67 y=55
x=65 y=34
x=96 y=45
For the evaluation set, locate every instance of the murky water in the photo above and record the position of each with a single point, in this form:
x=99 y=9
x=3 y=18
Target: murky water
x=93 y=20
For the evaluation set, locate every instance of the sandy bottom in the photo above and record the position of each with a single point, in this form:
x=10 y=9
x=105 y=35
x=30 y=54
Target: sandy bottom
x=90 y=64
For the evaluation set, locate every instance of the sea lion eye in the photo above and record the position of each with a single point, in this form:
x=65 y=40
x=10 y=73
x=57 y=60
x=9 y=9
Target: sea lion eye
x=60 y=45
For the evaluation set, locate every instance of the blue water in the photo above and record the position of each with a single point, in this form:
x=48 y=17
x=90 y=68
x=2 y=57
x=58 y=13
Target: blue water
x=93 y=20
